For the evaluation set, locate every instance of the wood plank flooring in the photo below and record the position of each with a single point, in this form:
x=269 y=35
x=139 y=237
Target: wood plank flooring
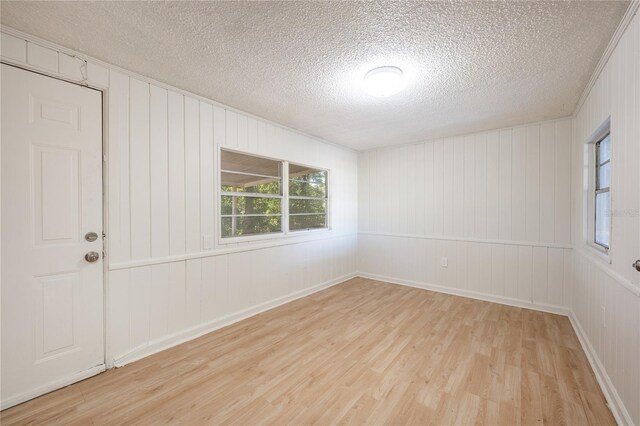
x=363 y=352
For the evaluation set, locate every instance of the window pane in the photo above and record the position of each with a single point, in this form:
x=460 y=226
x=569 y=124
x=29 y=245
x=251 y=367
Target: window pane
x=307 y=189
x=307 y=206
x=315 y=221
x=604 y=176
x=250 y=205
x=233 y=182
x=250 y=225
x=605 y=149
x=603 y=219
x=236 y=162
x=307 y=182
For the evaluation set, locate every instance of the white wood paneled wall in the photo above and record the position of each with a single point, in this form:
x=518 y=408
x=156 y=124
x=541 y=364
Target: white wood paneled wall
x=496 y=204
x=605 y=298
x=508 y=185
x=164 y=285
x=520 y=274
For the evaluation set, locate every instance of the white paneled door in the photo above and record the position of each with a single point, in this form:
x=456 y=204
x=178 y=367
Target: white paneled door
x=52 y=266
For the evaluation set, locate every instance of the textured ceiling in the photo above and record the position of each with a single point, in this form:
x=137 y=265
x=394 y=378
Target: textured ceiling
x=470 y=66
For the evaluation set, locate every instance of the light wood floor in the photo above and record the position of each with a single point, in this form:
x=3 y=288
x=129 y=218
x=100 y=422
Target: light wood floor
x=359 y=353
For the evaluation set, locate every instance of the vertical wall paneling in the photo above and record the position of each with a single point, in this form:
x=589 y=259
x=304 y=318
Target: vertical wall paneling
x=438 y=205
x=540 y=280
x=409 y=218
x=362 y=196
x=159 y=292
x=474 y=171
x=547 y=182
x=532 y=177
x=480 y=191
x=511 y=265
x=243 y=135
x=194 y=291
x=469 y=187
x=555 y=277
x=497 y=270
x=562 y=199
x=505 y=152
x=140 y=179
x=177 y=203
x=459 y=151
x=518 y=184
x=118 y=153
x=192 y=173
x=424 y=155
x=493 y=186
x=477 y=194
x=139 y=302
x=206 y=177
x=231 y=126
x=119 y=312
x=177 y=311
x=159 y=171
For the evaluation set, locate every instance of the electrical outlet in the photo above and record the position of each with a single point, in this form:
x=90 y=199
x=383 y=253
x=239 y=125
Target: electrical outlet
x=444 y=262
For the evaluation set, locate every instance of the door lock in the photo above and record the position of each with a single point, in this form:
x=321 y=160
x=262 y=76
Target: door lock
x=91 y=236
x=636 y=265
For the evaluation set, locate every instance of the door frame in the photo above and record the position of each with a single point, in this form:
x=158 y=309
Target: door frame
x=104 y=92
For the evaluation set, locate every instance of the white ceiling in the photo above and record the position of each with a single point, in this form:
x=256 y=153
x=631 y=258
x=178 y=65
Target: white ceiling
x=470 y=66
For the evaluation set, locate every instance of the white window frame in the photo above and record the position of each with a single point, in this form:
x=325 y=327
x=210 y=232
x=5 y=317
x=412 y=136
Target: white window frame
x=327 y=200
x=590 y=193
x=285 y=233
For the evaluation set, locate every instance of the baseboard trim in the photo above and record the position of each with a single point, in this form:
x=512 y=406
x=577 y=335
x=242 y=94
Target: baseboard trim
x=202 y=329
x=553 y=309
x=614 y=401
x=19 y=399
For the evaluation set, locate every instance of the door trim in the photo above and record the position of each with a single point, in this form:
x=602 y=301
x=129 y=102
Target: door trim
x=105 y=246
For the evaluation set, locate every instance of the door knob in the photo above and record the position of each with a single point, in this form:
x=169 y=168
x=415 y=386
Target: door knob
x=92 y=256
x=636 y=265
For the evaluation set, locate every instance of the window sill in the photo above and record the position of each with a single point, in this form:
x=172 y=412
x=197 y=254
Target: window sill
x=274 y=236
x=599 y=252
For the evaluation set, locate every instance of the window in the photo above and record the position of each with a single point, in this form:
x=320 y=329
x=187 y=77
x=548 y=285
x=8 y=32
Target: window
x=253 y=196
x=307 y=198
x=602 y=201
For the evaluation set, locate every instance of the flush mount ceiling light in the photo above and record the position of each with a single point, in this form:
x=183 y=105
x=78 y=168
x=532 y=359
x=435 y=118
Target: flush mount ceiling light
x=384 y=81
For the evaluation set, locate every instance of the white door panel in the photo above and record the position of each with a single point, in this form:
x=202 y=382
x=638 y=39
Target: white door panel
x=52 y=298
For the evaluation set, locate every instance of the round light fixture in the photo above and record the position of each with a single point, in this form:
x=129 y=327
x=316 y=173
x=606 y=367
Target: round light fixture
x=384 y=81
